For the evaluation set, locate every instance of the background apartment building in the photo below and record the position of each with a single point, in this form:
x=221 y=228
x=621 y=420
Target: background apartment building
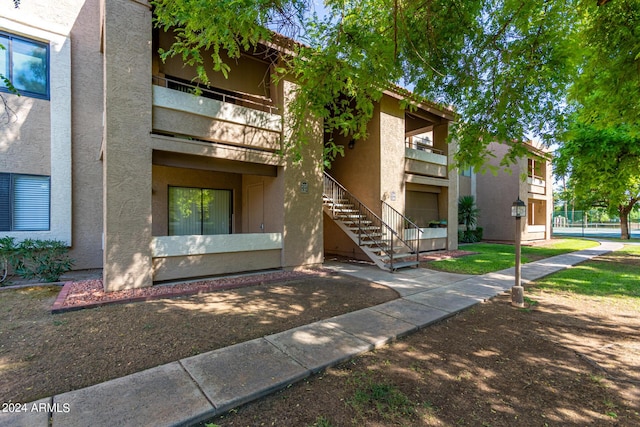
x=530 y=179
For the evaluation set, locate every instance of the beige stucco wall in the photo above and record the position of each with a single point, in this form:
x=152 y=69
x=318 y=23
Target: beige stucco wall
x=288 y=210
x=127 y=145
x=496 y=194
x=433 y=244
x=359 y=171
x=87 y=110
x=420 y=167
x=303 y=228
x=440 y=135
x=450 y=192
x=464 y=186
x=392 y=154
x=247 y=75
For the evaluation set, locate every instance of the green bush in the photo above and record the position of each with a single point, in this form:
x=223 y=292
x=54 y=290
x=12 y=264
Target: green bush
x=468 y=212
x=470 y=236
x=45 y=260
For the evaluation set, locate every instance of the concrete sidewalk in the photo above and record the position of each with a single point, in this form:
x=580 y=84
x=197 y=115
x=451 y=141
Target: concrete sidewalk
x=200 y=387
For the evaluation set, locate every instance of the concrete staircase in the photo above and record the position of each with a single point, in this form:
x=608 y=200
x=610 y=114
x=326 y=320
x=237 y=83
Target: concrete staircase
x=383 y=244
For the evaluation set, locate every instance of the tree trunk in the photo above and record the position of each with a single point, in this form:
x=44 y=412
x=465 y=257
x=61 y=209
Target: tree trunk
x=624 y=221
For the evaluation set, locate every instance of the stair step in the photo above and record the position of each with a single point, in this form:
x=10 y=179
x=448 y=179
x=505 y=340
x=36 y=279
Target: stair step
x=336 y=201
x=354 y=220
x=380 y=243
x=403 y=264
x=381 y=251
x=400 y=256
x=342 y=205
x=370 y=235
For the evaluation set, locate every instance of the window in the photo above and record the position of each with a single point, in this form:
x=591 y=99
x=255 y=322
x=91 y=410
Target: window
x=24 y=202
x=26 y=64
x=466 y=171
x=200 y=211
x=536 y=168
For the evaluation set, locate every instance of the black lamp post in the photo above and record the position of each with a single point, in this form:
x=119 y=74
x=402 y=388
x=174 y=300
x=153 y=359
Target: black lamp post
x=518 y=211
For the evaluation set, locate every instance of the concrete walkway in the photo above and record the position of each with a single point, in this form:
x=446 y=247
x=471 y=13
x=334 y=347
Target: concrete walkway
x=200 y=387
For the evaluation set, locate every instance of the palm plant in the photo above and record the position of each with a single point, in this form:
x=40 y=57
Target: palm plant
x=467 y=212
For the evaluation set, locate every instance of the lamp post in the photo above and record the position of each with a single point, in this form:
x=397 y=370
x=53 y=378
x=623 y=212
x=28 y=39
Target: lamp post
x=518 y=210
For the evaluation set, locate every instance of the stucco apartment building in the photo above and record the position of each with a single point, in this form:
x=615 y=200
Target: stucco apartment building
x=108 y=150
x=401 y=174
x=530 y=179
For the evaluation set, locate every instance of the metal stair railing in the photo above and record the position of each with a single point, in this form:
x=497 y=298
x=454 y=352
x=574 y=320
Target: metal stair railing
x=407 y=231
x=366 y=218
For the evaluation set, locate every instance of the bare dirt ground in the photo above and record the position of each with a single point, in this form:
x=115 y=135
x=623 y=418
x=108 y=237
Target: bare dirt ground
x=566 y=360
x=43 y=354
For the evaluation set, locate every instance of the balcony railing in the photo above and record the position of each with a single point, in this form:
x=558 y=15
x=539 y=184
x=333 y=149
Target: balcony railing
x=536 y=180
x=420 y=146
x=243 y=99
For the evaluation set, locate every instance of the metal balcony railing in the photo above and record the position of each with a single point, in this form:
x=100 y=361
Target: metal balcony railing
x=420 y=146
x=242 y=99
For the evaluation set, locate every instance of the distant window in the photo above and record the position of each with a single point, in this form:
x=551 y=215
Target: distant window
x=465 y=172
x=26 y=64
x=199 y=211
x=24 y=202
x=536 y=168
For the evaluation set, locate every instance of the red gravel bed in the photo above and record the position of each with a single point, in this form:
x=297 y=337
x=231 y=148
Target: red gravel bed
x=90 y=293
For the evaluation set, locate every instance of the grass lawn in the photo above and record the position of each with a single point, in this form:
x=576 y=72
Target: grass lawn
x=613 y=275
x=493 y=257
x=570 y=359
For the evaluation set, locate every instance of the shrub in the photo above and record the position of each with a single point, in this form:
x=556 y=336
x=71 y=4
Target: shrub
x=467 y=212
x=470 y=236
x=45 y=260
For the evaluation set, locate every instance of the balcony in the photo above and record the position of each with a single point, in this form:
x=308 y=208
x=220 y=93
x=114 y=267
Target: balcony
x=184 y=111
x=536 y=185
x=423 y=159
x=178 y=257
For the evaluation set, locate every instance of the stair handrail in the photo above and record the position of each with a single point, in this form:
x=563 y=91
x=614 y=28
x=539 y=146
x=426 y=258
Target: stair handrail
x=331 y=187
x=330 y=184
x=413 y=243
